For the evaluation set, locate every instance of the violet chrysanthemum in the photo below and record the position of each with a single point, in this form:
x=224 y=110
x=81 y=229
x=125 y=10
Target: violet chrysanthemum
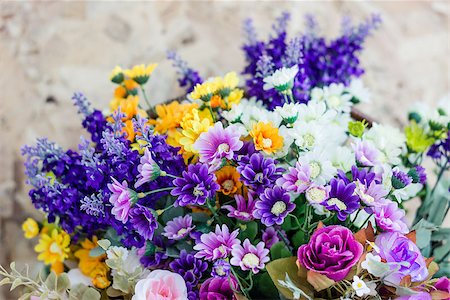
x=221 y=268
x=371 y=194
x=342 y=198
x=390 y=217
x=178 y=228
x=366 y=153
x=244 y=208
x=270 y=236
x=121 y=198
x=218 y=143
x=148 y=169
x=259 y=172
x=191 y=269
x=218 y=244
x=249 y=257
x=274 y=206
x=400 y=179
x=297 y=180
x=195 y=186
x=143 y=221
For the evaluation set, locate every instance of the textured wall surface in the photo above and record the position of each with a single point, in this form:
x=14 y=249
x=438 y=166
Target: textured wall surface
x=49 y=50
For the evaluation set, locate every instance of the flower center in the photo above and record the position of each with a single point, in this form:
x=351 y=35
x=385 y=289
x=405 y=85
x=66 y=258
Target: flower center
x=334 y=101
x=243 y=214
x=228 y=185
x=250 y=260
x=308 y=140
x=367 y=198
x=316 y=195
x=278 y=208
x=54 y=248
x=198 y=192
x=300 y=182
x=222 y=250
x=315 y=169
x=182 y=231
x=335 y=201
x=220 y=271
x=224 y=147
x=259 y=177
x=267 y=143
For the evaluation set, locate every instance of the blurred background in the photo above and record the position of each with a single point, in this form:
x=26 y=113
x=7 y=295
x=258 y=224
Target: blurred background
x=48 y=50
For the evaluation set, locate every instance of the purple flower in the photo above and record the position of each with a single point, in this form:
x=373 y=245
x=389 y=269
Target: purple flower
x=390 y=217
x=187 y=77
x=297 y=180
x=332 y=251
x=418 y=296
x=143 y=221
x=250 y=257
x=342 y=198
x=244 y=208
x=195 y=186
x=400 y=179
x=178 y=228
x=274 y=206
x=221 y=268
x=259 y=172
x=218 y=288
x=218 y=143
x=403 y=257
x=418 y=174
x=218 y=244
x=122 y=198
x=148 y=169
x=366 y=153
x=372 y=194
x=270 y=237
x=443 y=284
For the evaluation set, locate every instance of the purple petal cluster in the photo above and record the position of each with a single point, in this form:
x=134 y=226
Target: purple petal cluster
x=217 y=244
x=144 y=221
x=274 y=206
x=341 y=198
x=178 y=228
x=187 y=77
x=250 y=257
x=244 y=208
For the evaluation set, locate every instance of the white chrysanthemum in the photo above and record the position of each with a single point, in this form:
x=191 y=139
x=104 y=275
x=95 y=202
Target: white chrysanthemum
x=322 y=169
x=336 y=98
x=440 y=115
x=343 y=158
x=115 y=252
x=308 y=135
x=282 y=79
x=374 y=266
x=288 y=112
x=315 y=111
x=388 y=140
x=287 y=141
x=358 y=90
x=317 y=94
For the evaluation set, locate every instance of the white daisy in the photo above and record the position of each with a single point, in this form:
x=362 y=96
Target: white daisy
x=288 y=112
x=358 y=90
x=374 y=266
x=343 y=158
x=322 y=169
x=336 y=98
x=388 y=140
x=282 y=79
x=360 y=286
x=315 y=111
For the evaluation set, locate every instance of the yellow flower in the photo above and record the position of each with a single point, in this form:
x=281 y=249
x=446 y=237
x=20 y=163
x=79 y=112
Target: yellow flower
x=30 y=228
x=230 y=81
x=139 y=146
x=234 y=98
x=54 y=247
x=170 y=115
x=128 y=106
x=193 y=125
x=94 y=267
x=204 y=91
x=416 y=138
x=266 y=137
x=117 y=75
x=141 y=73
x=228 y=179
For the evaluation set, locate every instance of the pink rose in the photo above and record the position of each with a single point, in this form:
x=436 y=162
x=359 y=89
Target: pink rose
x=159 y=285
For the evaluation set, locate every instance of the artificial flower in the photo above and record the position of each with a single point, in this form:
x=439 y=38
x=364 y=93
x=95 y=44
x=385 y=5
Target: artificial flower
x=178 y=228
x=297 y=180
x=121 y=198
x=216 y=244
x=274 y=205
x=250 y=257
x=228 y=179
x=161 y=284
x=244 y=209
x=148 y=169
x=141 y=73
x=266 y=137
x=30 y=228
x=282 y=79
x=53 y=246
x=219 y=288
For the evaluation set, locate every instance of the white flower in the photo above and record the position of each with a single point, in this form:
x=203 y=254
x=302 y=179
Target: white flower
x=388 y=140
x=76 y=278
x=322 y=169
x=358 y=219
x=282 y=79
x=309 y=135
x=358 y=90
x=315 y=111
x=374 y=266
x=317 y=94
x=115 y=252
x=336 y=98
x=360 y=286
x=288 y=112
x=343 y=158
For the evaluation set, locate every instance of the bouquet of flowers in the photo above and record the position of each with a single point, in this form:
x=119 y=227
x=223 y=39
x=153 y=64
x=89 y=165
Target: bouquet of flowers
x=272 y=189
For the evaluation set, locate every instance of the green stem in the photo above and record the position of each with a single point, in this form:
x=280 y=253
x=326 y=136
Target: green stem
x=142 y=195
x=441 y=172
x=170 y=175
x=214 y=211
x=145 y=97
x=296 y=220
x=243 y=291
x=367 y=219
x=212 y=113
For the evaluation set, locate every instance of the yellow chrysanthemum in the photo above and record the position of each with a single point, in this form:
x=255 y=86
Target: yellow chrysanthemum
x=234 y=98
x=170 y=115
x=117 y=75
x=94 y=267
x=416 y=138
x=266 y=138
x=139 y=146
x=141 y=73
x=205 y=90
x=228 y=179
x=193 y=125
x=54 y=247
x=230 y=81
x=30 y=228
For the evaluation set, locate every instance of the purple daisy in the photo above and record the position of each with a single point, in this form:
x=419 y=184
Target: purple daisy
x=372 y=194
x=244 y=208
x=342 y=198
x=195 y=186
x=148 y=169
x=390 y=217
x=366 y=153
x=218 y=244
x=218 y=143
x=221 y=268
x=121 y=198
x=143 y=221
x=259 y=172
x=400 y=179
x=270 y=237
x=249 y=257
x=274 y=206
x=297 y=180
x=178 y=228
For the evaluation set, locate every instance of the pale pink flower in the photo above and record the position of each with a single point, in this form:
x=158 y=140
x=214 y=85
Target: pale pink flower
x=161 y=285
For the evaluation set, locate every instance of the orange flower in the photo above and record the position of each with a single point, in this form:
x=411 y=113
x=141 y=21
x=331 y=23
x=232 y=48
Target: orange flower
x=228 y=179
x=216 y=101
x=128 y=106
x=170 y=115
x=129 y=130
x=120 y=92
x=266 y=137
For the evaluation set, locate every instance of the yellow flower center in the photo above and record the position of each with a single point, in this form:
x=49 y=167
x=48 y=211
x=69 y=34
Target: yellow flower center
x=335 y=201
x=278 y=208
x=334 y=101
x=267 y=143
x=224 y=147
x=359 y=285
x=181 y=231
x=368 y=198
x=316 y=195
x=300 y=182
x=228 y=185
x=250 y=260
x=308 y=140
x=54 y=248
x=222 y=249
x=315 y=169
x=197 y=192
x=220 y=271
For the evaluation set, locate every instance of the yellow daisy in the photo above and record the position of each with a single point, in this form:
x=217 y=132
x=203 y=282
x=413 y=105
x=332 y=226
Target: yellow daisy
x=193 y=126
x=170 y=115
x=228 y=179
x=30 y=228
x=204 y=91
x=265 y=137
x=54 y=247
x=117 y=75
x=141 y=73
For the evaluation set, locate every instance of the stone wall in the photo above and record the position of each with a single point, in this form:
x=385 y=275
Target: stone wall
x=49 y=49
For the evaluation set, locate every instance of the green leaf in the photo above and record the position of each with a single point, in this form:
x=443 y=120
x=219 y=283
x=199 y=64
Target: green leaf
x=279 y=250
x=63 y=283
x=91 y=294
x=51 y=281
x=442 y=252
x=15 y=283
x=299 y=238
x=104 y=244
x=263 y=287
x=172 y=213
x=248 y=230
x=4 y=281
x=200 y=217
x=172 y=252
x=287 y=224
